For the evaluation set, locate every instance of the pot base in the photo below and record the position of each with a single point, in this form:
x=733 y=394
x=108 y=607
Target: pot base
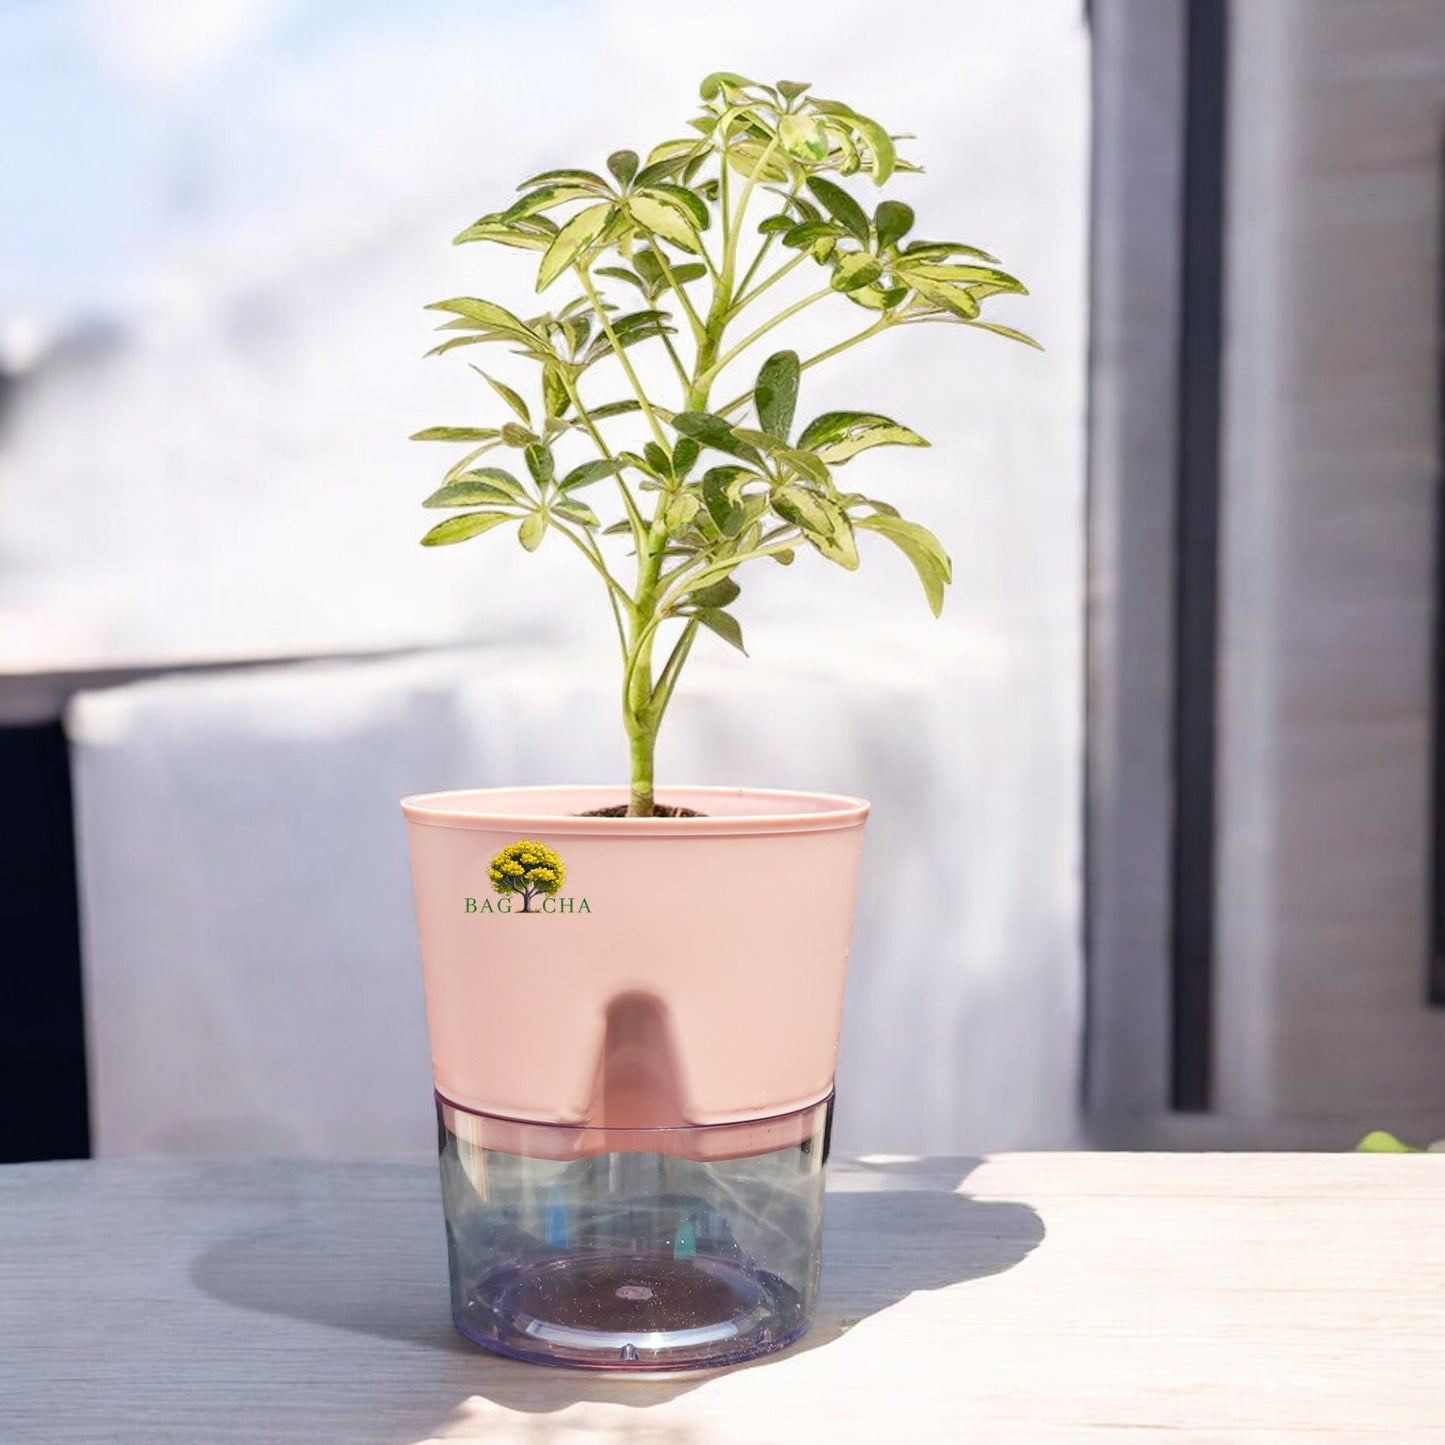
x=635 y=1260
x=633 y=1312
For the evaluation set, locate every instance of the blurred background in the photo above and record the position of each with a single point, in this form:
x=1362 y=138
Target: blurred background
x=1154 y=854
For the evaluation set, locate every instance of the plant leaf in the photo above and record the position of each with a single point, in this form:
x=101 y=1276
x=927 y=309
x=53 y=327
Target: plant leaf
x=942 y=250
x=458 y=529
x=837 y=435
x=727 y=514
x=964 y=275
x=721 y=593
x=803 y=509
x=954 y=299
x=855 y=271
x=803 y=137
x=885 y=154
x=667 y=219
x=468 y=494
x=1007 y=331
x=776 y=393
x=621 y=273
x=571 y=240
x=475 y=490
x=455 y=434
x=724 y=624
x=588 y=178
x=613 y=408
x=540 y=463
x=714 y=432
x=892 y=221
x=532 y=530
x=660 y=170
x=623 y=165
x=690 y=202
x=574 y=511
x=539 y=200
x=679 y=511
x=514 y=435
x=554 y=390
x=922 y=549
x=488 y=313
x=509 y=396
x=841 y=206
x=809 y=464
x=590 y=472
x=806 y=232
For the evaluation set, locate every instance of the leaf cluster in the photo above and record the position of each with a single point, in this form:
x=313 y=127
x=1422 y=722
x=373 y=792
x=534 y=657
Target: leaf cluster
x=660 y=252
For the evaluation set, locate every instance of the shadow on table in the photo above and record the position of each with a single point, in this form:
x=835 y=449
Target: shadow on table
x=892 y=1230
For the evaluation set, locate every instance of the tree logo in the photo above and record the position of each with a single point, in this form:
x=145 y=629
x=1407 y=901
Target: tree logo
x=527 y=869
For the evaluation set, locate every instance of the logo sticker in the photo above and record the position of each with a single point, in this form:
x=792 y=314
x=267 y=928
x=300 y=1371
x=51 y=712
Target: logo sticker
x=532 y=872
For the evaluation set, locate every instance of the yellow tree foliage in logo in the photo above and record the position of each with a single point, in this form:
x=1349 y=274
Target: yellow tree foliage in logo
x=527 y=868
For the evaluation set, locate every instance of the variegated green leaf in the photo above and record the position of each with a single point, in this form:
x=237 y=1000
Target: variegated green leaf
x=837 y=435
x=954 y=299
x=665 y=218
x=575 y=511
x=487 y=313
x=539 y=463
x=714 y=432
x=455 y=434
x=509 y=396
x=589 y=179
x=880 y=143
x=532 y=530
x=922 y=549
x=590 y=472
x=458 y=529
x=579 y=233
x=688 y=200
x=803 y=137
x=723 y=507
x=678 y=512
x=555 y=397
x=542 y=199
x=469 y=494
x=1007 y=331
x=856 y=270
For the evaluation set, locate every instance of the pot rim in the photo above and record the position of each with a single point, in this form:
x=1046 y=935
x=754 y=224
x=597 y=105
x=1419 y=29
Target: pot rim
x=729 y=811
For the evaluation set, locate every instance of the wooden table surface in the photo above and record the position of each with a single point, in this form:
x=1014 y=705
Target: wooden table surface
x=1044 y=1297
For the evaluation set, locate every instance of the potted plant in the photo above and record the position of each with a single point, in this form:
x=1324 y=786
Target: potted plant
x=633 y=1028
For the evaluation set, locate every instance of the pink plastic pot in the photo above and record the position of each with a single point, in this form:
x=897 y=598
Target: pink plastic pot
x=634 y=1065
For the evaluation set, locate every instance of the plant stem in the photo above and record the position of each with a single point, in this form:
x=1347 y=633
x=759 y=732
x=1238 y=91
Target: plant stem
x=743 y=297
x=615 y=589
x=621 y=354
x=767 y=326
x=638 y=714
x=746 y=298
x=672 y=669
x=880 y=325
x=634 y=517
x=683 y=299
x=679 y=583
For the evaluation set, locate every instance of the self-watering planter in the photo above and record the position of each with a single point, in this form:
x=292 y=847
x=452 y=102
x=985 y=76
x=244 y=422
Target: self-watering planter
x=634 y=1024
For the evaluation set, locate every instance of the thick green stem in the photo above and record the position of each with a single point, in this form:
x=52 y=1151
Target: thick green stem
x=639 y=715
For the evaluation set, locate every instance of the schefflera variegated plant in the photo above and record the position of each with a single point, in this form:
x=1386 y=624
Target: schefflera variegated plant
x=678 y=252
